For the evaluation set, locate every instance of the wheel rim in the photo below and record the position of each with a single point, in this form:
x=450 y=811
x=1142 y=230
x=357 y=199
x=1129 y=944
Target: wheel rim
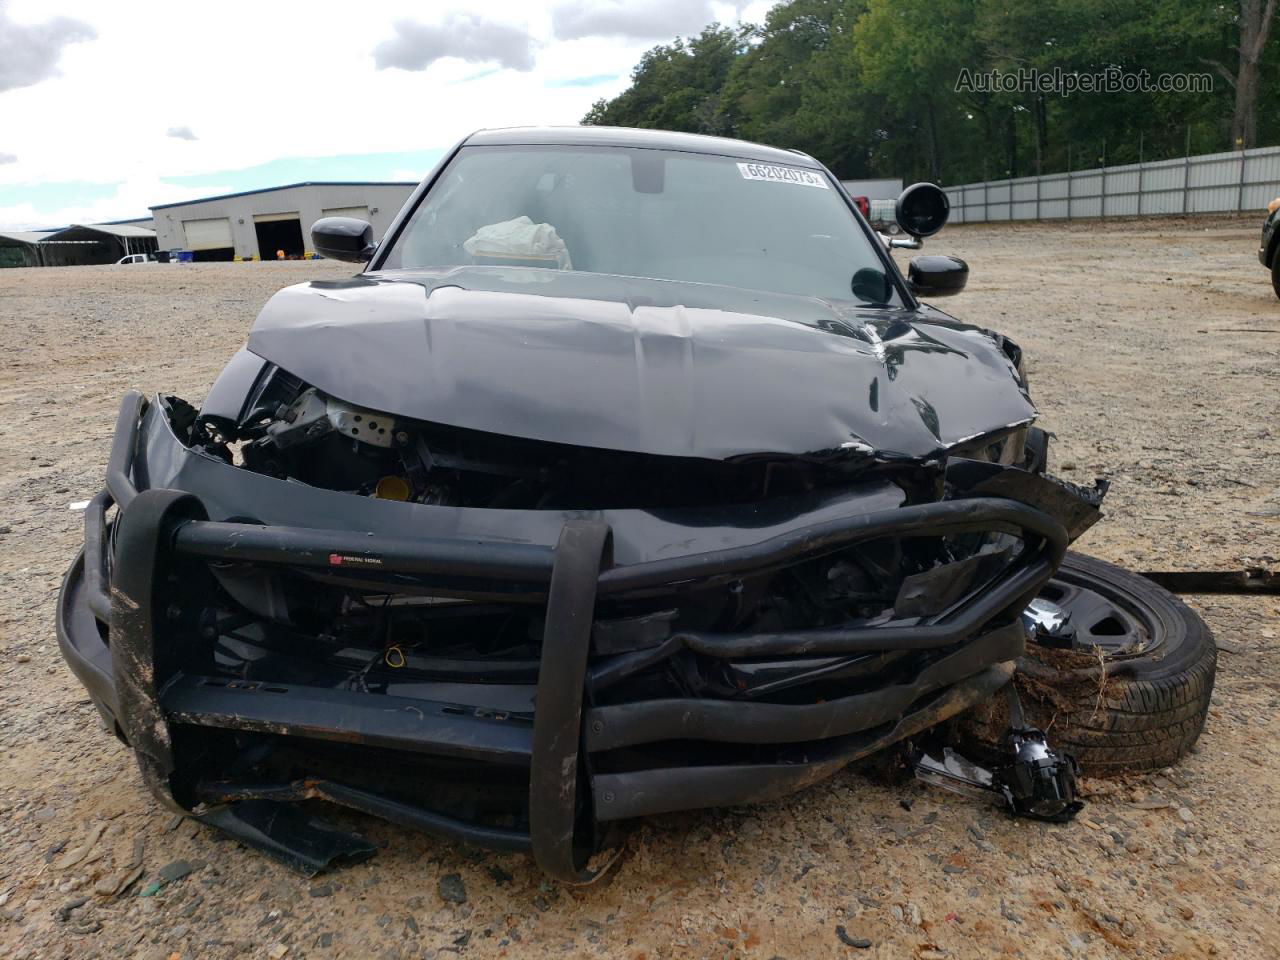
x=1103 y=615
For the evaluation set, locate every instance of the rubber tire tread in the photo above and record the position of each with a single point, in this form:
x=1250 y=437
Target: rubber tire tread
x=1153 y=711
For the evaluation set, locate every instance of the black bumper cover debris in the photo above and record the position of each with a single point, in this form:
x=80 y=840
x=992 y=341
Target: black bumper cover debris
x=232 y=717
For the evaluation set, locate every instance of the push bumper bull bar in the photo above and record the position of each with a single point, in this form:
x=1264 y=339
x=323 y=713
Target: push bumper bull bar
x=148 y=695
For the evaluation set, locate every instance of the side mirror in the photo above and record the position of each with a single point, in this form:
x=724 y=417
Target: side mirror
x=937 y=276
x=343 y=238
x=922 y=209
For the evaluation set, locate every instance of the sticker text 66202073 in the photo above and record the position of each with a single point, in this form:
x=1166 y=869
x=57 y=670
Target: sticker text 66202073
x=767 y=171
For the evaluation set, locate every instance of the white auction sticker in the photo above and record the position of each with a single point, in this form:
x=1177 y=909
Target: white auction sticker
x=767 y=171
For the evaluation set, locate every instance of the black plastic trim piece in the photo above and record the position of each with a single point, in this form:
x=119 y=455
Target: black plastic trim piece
x=124 y=445
x=80 y=642
x=288 y=834
x=94 y=556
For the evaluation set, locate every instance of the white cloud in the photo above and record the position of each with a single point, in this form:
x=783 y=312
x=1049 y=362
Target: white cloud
x=181 y=133
x=132 y=198
x=106 y=118
x=631 y=19
x=8 y=158
x=29 y=52
x=465 y=36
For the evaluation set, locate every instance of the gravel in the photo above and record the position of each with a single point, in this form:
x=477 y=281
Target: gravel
x=1144 y=381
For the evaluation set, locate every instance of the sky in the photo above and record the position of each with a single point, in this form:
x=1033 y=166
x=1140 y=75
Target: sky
x=107 y=108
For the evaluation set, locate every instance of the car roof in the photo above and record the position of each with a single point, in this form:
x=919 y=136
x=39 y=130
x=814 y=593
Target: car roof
x=633 y=137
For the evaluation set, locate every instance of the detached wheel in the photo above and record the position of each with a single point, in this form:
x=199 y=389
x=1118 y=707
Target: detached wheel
x=1131 y=691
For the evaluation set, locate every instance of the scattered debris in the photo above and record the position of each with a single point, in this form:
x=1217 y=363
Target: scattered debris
x=64 y=911
x=499 y=876
x=452 y=889
x=861 y=943
x=80 y=851
x=176 y=870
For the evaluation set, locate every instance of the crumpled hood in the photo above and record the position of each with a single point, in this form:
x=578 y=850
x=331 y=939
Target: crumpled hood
x=650 y=366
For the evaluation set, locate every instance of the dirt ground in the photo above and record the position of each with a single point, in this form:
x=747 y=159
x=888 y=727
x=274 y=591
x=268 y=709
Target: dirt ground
x=1154 y=353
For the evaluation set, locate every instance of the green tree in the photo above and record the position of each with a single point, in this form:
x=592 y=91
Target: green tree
x=1254 y=20
x=870 y=87
x=677 y=86
x=912 y=54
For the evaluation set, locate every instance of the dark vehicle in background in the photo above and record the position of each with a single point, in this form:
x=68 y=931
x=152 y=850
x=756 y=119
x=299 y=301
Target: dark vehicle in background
x=1270 y=245
x=631 y=475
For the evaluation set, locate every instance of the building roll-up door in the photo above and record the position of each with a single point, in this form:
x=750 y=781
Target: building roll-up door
x=360 y=213
x=213 y=234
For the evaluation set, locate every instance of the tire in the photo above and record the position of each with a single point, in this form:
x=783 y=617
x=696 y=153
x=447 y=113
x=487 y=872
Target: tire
x=1142 y=711
x=1275 y=273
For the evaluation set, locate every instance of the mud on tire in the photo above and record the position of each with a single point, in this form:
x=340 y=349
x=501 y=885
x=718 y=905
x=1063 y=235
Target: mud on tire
x=1125 y=713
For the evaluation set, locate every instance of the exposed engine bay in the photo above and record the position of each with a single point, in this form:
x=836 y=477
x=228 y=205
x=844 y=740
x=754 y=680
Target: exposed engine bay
x=292 y=431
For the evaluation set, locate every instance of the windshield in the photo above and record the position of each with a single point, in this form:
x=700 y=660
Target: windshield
x=645 y=213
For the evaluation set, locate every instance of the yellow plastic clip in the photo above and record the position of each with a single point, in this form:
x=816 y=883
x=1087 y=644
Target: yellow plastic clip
x=393 y=657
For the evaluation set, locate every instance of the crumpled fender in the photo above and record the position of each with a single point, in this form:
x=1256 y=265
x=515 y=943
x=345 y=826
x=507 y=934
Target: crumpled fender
x=1076 y=507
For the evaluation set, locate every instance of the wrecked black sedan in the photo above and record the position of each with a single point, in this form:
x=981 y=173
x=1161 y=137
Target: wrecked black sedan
x=629 y=476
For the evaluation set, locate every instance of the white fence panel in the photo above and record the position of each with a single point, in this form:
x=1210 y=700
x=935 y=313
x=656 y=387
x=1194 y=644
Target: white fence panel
x=1212 y=183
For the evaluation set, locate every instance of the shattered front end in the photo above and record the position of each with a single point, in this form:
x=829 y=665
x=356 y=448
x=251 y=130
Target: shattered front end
x=525 y=672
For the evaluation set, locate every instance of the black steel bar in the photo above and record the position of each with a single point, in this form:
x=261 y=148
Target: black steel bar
x=408 y=815
x=733 y=721
x=621 y=796
x=494 y=838
x=584 y=548
x=140 y=658
x=336 y=550
x=1013 y=592
x=970 y=515
x=363 y=552
x=347 y=716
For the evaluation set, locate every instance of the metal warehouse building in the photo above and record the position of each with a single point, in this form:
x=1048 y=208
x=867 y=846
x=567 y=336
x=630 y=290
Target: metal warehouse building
x=80 y=243
x=273 y=222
